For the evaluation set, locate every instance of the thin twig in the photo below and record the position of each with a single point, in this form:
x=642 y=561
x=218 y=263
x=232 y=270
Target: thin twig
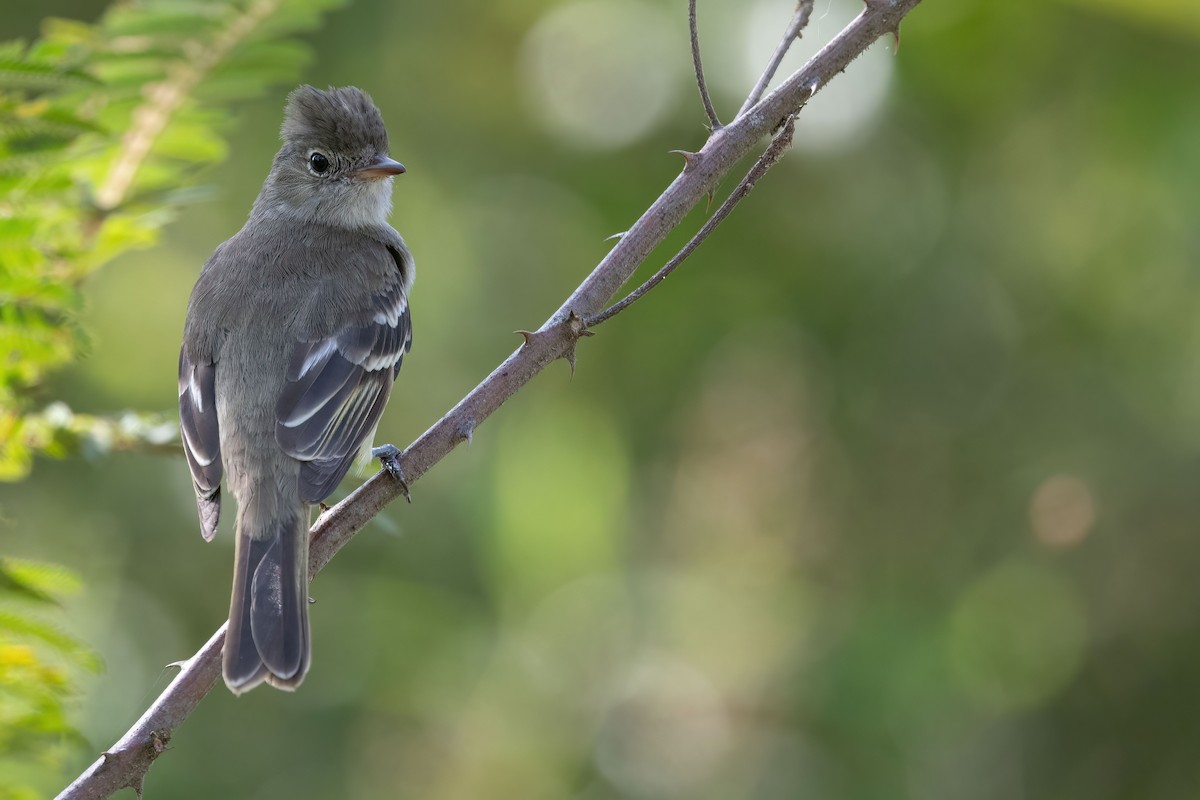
x=770 y=157
x=799 y=20
x=698 y=63
x=128 y=761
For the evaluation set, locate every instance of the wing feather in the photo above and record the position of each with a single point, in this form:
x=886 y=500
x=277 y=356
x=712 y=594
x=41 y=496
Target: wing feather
x=201 y=438
x=336 y=390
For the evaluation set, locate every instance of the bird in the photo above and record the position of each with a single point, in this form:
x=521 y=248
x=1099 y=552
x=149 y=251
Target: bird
x=295 y=332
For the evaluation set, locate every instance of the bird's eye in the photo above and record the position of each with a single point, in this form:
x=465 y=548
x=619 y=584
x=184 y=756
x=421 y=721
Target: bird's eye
x=319 y=163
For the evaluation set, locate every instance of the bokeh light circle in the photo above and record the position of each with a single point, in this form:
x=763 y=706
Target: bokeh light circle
x=831 y=120
x=1017 y=637
x=597 y=74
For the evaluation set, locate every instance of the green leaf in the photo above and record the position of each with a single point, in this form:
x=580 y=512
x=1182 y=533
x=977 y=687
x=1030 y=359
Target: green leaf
x=19 y=74
x=24 y=627
x=38 y=577
x=156 y=72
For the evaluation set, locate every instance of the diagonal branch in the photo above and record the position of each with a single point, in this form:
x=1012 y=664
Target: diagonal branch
x=126 y=763
x=770 y=157
x=791 y=34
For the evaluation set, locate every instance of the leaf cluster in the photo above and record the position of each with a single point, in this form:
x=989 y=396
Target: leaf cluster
x=104 y=130
x=38 y=665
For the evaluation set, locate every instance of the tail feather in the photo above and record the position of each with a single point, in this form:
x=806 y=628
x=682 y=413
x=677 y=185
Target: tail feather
x=268 y=637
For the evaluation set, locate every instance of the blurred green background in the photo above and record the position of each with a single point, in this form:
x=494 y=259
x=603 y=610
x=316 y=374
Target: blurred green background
x=891 y=492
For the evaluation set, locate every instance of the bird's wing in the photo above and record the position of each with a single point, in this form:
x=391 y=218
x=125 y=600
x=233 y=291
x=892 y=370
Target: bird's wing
x=201 y=437
x=336 y=389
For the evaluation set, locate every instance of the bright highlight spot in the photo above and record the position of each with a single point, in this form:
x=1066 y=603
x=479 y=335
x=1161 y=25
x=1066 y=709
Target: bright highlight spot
x=560 y=499
x=832 y=119
x=665 y=732
x=598 y=74
x=1062 y=511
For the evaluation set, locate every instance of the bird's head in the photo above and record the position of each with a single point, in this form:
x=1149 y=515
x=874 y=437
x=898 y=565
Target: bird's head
x=333 y=166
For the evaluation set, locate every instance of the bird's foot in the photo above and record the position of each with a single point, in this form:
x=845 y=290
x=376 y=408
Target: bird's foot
x=389 y=458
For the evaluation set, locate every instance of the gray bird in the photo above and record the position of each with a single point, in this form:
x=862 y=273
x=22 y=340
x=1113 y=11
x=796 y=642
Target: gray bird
x=295 y=331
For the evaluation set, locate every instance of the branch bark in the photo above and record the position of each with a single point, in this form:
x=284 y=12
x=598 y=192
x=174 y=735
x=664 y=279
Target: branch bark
x=804 y=10
x=127 y=762
x=770 y=157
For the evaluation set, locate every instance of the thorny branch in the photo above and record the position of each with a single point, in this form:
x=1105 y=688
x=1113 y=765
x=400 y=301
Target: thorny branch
x=770 y=157
x=791 y=34
x=126 y=763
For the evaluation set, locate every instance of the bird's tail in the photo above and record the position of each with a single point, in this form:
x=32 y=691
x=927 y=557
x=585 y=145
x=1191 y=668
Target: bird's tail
x=268 y=638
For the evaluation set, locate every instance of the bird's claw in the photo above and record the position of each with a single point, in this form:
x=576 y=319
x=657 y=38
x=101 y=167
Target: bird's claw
x=389 y=458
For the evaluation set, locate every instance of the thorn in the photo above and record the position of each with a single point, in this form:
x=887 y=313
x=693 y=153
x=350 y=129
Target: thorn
x=575 y=323
x=577 y=327
x=896 y=39
x=710 y=199
x=618 y=235
x=570 y=357
x=176 y=664
x=321 y=508
x=312 y=601
x=465 y=431
x=690 y=159
x=526 y=335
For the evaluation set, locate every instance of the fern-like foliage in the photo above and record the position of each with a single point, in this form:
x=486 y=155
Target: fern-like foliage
x=38 y=668
x=103 y=131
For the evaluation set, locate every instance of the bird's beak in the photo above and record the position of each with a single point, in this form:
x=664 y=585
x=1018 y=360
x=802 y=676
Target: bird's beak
x=380 y=167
